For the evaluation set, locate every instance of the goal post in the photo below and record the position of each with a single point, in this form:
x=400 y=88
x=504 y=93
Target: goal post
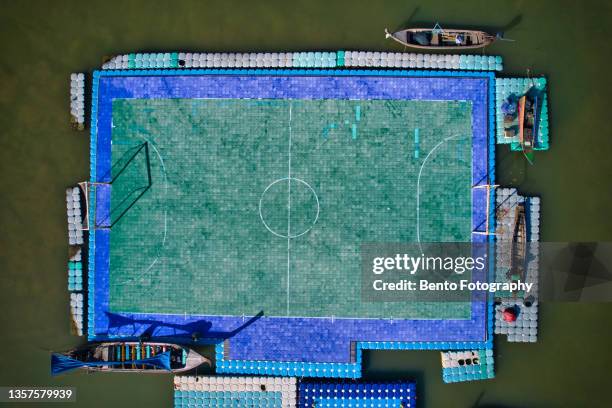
x=490 y=189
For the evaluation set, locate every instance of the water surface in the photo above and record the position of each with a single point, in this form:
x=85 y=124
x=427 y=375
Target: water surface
x=43 y=42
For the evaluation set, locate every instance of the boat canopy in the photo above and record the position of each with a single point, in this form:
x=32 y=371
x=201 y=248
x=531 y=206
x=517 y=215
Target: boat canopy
x=62 y=364
x=421 y=38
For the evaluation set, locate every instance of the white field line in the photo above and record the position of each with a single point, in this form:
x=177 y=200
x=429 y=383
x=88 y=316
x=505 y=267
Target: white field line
x=163 y=243
x=289 y=213
x=418 y=191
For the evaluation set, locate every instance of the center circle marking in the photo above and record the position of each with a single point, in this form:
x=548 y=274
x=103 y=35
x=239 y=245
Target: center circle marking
x=288 y=234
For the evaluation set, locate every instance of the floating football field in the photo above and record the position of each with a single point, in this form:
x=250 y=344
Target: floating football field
x=234 y=204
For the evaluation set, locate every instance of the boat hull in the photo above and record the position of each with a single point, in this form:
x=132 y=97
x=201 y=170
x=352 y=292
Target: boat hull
x=478 y=39
x=101 y=352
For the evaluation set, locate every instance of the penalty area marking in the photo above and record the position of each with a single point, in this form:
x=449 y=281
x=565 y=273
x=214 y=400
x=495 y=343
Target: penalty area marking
x=418 y=190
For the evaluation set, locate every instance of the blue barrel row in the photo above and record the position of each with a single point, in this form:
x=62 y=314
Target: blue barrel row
x=143 y=61
x=227 y=399
x=352 y=394
x=314 y=59
x=420 y=345
x=75 y=276
x=290 y=369
x=332 y=370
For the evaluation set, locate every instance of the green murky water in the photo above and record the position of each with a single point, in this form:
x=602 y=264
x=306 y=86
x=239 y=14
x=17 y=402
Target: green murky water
x=42 y=42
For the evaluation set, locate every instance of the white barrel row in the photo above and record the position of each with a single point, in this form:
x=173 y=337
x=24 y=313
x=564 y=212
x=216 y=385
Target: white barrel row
x=286 y=386
x=73 y=213
x=534 y=214
x=450 y=359
x=237 y=60
x=117 y=62
x=77 y=99
x=76 y=312
x=426 y=61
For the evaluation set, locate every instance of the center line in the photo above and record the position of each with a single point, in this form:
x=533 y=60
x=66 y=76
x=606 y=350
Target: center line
x=289 y=212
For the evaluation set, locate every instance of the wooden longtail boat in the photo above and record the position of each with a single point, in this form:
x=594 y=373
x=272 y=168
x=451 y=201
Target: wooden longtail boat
x=528 y=126
x=145 y=357
x=511 y=121
x=439 y=39
x=519 y=244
